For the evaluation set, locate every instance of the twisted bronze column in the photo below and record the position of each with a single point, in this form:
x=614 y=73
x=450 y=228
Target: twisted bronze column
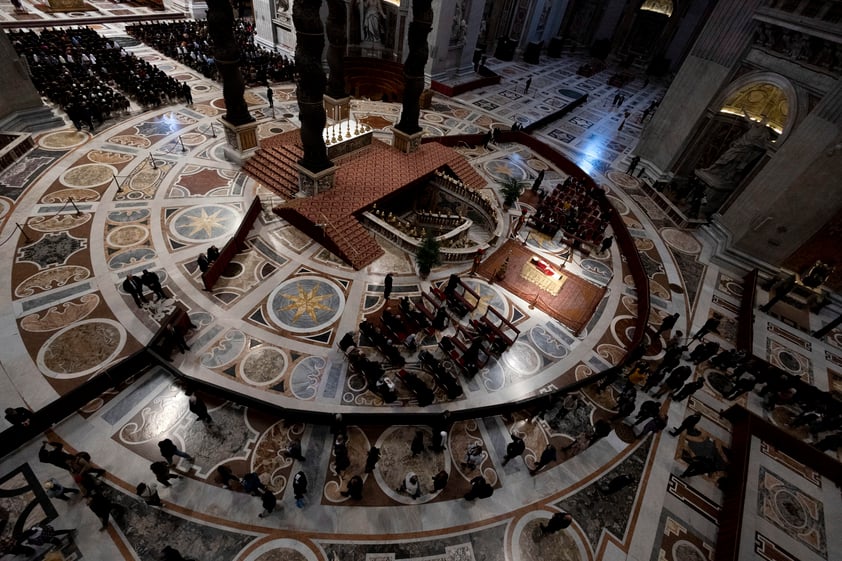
x=227 y=56
x=413 y=67
x=337 y=41
x=310 y=42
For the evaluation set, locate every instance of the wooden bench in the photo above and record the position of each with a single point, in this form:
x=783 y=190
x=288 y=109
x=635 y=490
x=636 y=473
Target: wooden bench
x=233 y=247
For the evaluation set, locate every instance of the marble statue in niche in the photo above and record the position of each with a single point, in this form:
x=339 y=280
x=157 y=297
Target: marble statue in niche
x=730 y=167
x=373 y=16
x=281 y=6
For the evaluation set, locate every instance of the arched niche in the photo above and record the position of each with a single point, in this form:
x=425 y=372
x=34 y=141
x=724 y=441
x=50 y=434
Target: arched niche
x=748 y=122
x=658 y=6
x=763 y=94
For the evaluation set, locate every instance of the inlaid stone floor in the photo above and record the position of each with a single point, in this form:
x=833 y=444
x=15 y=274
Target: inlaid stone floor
x=271 y=327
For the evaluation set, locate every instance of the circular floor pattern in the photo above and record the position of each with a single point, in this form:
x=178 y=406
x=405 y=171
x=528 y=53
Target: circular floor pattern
x=263 y=366
x=81 y=349
x=63 y=140
x=682 y=241
x=623 y=180
x=305 y=304
x=398 y=462
x=204 y=223
x=88 y=175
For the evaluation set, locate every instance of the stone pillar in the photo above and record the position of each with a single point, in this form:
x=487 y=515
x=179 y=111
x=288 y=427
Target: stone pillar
x=416 y=60
x=240 y=126
x=310 y=42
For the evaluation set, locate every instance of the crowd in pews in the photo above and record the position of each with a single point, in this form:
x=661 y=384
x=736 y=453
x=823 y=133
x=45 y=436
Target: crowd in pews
x=467 y=349
x=81 y=71
x=188 y=43
x=572 y=208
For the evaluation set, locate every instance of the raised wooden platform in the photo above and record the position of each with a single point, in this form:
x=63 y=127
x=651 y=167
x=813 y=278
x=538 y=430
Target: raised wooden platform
x=362 y=179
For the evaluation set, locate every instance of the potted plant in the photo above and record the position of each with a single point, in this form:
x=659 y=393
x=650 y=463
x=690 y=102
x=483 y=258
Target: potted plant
x=428 y=256
x=511 y=189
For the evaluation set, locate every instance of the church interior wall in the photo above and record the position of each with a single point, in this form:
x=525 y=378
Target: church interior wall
x=801 y=176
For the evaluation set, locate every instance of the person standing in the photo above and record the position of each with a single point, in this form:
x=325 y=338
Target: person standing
x=372 y=459
x=417 y=445
x=526 y=86
x=633 y=165
x=293 y=450
x=387 y=286
x=269 y=502
x=187 y=93
x=514 y=448
x=299 y=488
x=202 y=262
x=151 y=280
x=606 y=244
x=355 y=488
x=270 y=97
x=19 y=416
x=134 y=287
x=668 y=323
x=439 y=438
x=198 y=406
x=688 y=389
x=480 y=489
x=440 y=480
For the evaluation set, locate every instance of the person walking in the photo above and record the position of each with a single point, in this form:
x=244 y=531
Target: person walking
x=270 y=97
x=688 y=424
x=688 y=389
x=514 y=448
x=410 y=485
x=198 y=406
x=548 y=456
x=712 y=324
x=169 y=449
x=299 y=488
x=387 y=286
x=252 y=484
x=56 y=490
x=558 y=521
x=226 y=476
x=101 y=507
x=162 y=473
x=439 y=438
x=149 y=494
x=526 y=86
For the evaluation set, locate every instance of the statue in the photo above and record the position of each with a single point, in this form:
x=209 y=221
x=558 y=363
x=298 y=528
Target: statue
x=227 y=56
x=372 y=15
x=731 y=166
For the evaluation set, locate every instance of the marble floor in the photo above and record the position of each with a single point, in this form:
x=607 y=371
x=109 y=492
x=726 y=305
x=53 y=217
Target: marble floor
x=269 y=331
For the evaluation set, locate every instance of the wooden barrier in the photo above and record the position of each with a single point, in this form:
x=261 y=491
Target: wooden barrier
x=233 y=247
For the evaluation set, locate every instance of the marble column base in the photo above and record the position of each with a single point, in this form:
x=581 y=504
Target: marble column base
x=406 y=143
x=242 y=140
x=312 y=183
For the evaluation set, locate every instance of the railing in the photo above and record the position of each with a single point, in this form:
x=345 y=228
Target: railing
x=233 y=247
